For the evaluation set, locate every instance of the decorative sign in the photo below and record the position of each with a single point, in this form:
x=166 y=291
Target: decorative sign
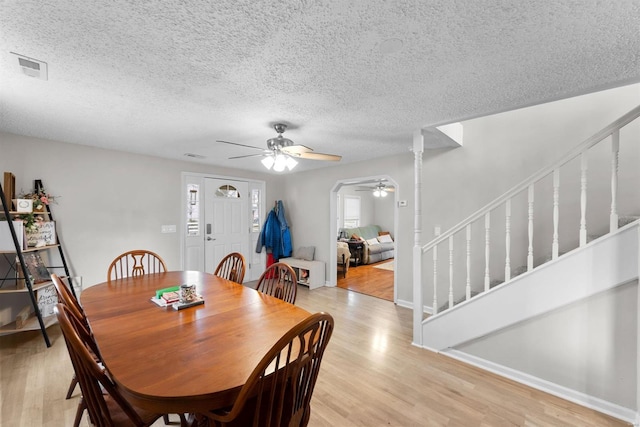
x=44 y=235
x=47 y=299
x=24 y=205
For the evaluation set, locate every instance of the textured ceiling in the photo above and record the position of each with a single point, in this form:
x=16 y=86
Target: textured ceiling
x=169 y=77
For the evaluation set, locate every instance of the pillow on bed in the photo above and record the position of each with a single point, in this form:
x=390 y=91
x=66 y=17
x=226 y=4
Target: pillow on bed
x=305 y=252
x=385 y=238
x=373 y=241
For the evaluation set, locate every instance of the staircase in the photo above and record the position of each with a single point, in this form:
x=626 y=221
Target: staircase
x=553 y=240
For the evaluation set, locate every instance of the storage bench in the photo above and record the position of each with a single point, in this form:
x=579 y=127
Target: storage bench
x=309 y=273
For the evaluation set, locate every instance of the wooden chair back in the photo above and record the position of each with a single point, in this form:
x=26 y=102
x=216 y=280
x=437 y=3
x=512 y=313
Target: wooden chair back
x=232 y=267
x=135 y=263
x=67 y=298
x=94 y=380
x=278 y=391
x=280 y=281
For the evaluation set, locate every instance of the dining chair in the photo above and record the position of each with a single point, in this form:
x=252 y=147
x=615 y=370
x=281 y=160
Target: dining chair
x=278 y=391
x=280 y=281
x=232 y=267
x=105 y=405
x=135 y=263
x=68 y=299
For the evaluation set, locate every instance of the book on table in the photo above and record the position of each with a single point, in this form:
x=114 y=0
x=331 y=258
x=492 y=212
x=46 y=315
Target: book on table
x=171 y=297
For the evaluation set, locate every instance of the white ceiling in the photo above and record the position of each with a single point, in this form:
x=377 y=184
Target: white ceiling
x=169 y=77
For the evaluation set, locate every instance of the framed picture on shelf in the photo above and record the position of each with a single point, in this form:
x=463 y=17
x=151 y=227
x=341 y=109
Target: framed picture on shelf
x=37 y=270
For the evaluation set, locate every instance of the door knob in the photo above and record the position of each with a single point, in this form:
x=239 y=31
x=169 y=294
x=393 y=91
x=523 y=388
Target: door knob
x=210 y=238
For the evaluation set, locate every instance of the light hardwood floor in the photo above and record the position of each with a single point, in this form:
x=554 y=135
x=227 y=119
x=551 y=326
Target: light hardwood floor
x=368 y=280
x=371 y=376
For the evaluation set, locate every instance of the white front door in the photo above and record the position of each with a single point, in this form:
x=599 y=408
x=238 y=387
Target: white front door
x=226 y=220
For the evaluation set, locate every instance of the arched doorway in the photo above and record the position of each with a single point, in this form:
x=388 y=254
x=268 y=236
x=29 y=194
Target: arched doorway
x=357 y=187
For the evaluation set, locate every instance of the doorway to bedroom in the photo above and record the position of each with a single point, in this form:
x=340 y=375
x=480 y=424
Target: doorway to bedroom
x=364 y=225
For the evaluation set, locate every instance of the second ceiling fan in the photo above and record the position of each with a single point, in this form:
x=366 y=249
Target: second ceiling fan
x=380 y=189
x=280 y=151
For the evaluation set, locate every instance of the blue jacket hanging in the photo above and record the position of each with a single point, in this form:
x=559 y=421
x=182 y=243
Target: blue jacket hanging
x=284 y=230
x=275 y=234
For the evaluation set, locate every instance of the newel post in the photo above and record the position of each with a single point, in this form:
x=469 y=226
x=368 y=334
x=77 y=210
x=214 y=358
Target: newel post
x=418 y=148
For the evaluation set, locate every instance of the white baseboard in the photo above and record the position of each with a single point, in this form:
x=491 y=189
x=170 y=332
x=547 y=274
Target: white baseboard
x=597 y=404
x=409 y=304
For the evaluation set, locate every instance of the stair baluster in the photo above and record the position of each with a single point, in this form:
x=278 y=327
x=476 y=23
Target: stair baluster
x=583 y=198
x=507 y=234
x=530 y=229
x=615 y=149
x=487 y=246
x=556 y=212
x=451 y=271
x=468 y=292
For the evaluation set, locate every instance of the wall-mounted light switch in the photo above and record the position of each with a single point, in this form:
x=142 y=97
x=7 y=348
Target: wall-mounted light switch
x=168 y=229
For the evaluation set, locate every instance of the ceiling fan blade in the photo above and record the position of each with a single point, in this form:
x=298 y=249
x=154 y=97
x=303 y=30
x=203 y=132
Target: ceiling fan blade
x=319 y=156
x=241 y=145
x=387 y=189
x=247 y=155
x=295 y=150
x=307 y=153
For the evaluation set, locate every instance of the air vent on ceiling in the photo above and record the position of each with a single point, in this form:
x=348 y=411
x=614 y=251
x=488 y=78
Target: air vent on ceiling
x=195 y=156
x=31 y=67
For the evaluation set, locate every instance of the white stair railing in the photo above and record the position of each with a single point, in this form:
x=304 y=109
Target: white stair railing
x=473 y=284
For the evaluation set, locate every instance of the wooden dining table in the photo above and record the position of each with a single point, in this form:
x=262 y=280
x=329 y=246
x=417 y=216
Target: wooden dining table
x=189 y=360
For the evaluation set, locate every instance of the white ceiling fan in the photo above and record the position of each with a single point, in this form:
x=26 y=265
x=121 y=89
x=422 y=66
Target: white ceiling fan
x=380 y=189
x=280 y=151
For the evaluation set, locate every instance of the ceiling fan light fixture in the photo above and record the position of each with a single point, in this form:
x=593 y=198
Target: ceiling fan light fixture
x=280 y=163
x=268 y=162
x=291 y=163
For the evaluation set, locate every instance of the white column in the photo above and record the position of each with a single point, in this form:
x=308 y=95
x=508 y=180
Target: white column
x=507 y=234
x=487 y=238
x=418 y=148
x=615 y=149
x=556 y=213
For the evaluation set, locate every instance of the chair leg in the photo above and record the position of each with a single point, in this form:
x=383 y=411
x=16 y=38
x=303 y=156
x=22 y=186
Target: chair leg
x=165 y=418
x=72 y=386
x=79 y=411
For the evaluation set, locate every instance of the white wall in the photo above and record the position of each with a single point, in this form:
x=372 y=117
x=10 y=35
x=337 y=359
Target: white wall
x=384 y=210
x=108 y=201
x=589 y=346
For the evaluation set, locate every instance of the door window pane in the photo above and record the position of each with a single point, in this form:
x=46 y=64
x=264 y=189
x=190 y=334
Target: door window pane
x=193 y=210
x=228 y=191
x=256 y=196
